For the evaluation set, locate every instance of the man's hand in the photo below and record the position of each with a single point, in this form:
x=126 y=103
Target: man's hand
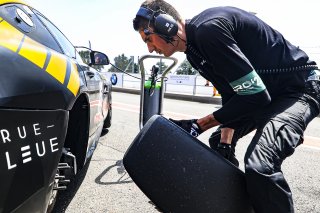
x=220 y=141
x=224 y=149
x=191 y=126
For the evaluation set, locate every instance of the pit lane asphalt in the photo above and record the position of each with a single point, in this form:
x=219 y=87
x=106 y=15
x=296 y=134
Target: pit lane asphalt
x=106 y=187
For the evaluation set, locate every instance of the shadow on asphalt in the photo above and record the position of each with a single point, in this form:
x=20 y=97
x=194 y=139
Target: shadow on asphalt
x=123 y=175
x=65 y=197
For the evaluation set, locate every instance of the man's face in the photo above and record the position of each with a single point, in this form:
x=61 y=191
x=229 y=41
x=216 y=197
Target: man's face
x=157 y=44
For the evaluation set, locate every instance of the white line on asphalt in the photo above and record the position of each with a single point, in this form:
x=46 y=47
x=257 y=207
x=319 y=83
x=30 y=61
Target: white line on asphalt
x=175 y=115
x=310 y=147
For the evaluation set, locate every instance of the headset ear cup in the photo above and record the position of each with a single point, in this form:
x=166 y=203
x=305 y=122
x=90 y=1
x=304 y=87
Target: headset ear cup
x=165 y=25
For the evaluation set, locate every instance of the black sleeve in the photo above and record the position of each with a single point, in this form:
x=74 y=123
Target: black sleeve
x=216 y=41
x=240 y=106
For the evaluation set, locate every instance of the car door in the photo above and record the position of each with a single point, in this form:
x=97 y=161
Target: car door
x=94 y=86
x=92 y=79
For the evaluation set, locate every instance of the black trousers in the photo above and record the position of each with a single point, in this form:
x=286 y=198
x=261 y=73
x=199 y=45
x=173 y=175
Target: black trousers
x=279 y=130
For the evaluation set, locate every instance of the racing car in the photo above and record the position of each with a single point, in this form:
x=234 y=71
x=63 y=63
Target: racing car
x=53 y=108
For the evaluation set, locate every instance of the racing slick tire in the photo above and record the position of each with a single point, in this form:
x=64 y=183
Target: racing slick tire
x=178 y=173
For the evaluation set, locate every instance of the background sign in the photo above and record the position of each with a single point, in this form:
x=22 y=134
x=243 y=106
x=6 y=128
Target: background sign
x=181 y=79
x=115 y=78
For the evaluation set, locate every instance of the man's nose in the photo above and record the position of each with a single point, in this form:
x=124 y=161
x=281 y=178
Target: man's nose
x=150 y=48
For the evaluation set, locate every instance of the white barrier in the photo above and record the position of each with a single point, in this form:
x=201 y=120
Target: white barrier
x=184 y=84
x=181 y=79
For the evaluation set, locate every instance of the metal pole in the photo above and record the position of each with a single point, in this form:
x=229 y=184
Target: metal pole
x=195 y=86
x=132 y=59
x=122 y=80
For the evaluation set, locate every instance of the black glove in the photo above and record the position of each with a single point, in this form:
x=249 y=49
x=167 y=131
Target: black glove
x=191 y=126
x=225 y=150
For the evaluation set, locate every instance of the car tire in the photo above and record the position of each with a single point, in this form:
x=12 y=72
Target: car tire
x=53 y=195
x=107 y=121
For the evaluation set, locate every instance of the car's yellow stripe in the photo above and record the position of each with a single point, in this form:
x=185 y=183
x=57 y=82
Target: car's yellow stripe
x=11 y=1
x=74 y=80
x=33 y=51
x=10 y=37
x=57 y=66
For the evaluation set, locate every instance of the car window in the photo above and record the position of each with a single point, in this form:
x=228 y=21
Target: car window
x=65 y=44
x=21 y=17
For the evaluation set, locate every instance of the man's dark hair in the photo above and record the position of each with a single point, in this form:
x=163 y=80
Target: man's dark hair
x=155 y=5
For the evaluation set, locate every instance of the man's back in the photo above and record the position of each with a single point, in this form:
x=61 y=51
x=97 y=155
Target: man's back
x=236 y=42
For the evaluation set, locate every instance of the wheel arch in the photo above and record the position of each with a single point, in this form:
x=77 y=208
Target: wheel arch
x=78 y=129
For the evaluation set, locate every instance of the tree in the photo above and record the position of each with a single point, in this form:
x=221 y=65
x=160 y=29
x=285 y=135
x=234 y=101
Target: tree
x=162 y=66
x=185 y=68
x=85 y=55
x=122 y=62
x=135 y=66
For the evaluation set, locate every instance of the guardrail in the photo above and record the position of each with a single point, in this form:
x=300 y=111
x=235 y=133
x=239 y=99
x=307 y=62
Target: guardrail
x=181 y=84
x=197 y=91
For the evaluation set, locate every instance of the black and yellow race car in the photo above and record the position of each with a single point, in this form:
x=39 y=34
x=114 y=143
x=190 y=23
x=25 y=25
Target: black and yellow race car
x=53 y=108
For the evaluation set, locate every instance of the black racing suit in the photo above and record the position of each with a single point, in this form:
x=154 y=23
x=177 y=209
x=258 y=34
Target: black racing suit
x=262 y=79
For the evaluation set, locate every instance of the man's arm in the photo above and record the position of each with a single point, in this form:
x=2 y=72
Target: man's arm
x=196 y=126
x=207 y=122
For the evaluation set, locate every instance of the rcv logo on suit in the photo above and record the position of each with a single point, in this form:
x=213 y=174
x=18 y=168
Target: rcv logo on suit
x=249 y=84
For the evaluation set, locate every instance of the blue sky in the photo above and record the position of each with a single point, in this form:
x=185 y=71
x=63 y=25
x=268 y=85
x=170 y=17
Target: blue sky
x=108 y=23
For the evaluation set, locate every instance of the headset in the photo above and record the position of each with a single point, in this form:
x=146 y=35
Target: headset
x=164 y=25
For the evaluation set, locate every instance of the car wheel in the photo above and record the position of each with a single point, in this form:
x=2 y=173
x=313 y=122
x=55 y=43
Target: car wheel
x=53 y=194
